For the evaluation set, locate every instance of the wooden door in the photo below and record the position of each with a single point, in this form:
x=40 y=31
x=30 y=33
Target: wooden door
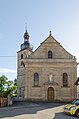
x=50 y=94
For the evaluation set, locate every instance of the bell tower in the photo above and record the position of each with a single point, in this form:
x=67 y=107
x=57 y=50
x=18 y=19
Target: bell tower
x=26 y=43
x=22 y=55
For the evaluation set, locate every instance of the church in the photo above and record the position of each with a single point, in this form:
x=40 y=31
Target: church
x=46 y=74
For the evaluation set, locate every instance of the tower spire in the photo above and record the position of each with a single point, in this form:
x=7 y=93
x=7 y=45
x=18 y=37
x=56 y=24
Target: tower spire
x=26 y=35
x=26 y=43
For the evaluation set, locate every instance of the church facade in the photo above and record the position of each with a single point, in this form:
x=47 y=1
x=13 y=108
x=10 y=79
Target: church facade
x=46 y=74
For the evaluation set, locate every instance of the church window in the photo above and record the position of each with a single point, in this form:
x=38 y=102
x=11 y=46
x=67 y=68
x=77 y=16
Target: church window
x=65 y=79
x=50 y=54
x=21 y=56
x=36 y=79
x=19 y=92
x=21 y=63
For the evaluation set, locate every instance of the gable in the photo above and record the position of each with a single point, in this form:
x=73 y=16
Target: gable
x=50 y=44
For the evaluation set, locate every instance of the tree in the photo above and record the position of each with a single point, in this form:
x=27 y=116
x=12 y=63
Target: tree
x=6 y=86
x=3 y=83
x=15 y=87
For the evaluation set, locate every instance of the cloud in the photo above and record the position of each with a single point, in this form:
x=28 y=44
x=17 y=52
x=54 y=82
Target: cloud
x=6 y=70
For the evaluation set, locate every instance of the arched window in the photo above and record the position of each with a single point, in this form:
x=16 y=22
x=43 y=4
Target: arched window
x=50 y=54
x=36 y=79
x=65 y=79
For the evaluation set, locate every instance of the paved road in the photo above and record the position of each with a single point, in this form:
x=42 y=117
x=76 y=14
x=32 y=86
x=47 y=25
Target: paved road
x=31 y=110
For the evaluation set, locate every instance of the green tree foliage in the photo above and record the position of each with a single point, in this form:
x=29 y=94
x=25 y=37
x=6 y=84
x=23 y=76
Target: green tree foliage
x=7 y=86
x=15 y=87
x=3 y=83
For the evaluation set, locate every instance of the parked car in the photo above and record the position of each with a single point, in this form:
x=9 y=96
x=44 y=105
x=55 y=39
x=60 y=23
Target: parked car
x=73 y=108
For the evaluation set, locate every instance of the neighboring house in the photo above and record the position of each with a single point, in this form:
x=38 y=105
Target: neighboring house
x=48 y=73
x=77 y=83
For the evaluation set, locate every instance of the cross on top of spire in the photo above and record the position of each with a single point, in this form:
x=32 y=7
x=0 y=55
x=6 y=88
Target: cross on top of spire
x=50 y=32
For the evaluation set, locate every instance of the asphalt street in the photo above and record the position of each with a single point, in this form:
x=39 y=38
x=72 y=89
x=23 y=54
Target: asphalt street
x=34 y=110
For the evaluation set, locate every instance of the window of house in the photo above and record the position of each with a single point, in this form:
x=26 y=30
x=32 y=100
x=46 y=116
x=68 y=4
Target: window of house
x=21 y=56
x=36 y=79
x=65 y=79
x=50 y=54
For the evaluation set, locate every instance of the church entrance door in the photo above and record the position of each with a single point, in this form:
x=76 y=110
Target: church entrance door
x=50 y=94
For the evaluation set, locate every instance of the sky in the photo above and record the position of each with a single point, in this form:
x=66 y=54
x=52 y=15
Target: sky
x=40 y=16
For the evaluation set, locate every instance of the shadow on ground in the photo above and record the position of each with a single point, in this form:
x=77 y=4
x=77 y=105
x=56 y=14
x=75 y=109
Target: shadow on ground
x=20 y=108
x=64 y=116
